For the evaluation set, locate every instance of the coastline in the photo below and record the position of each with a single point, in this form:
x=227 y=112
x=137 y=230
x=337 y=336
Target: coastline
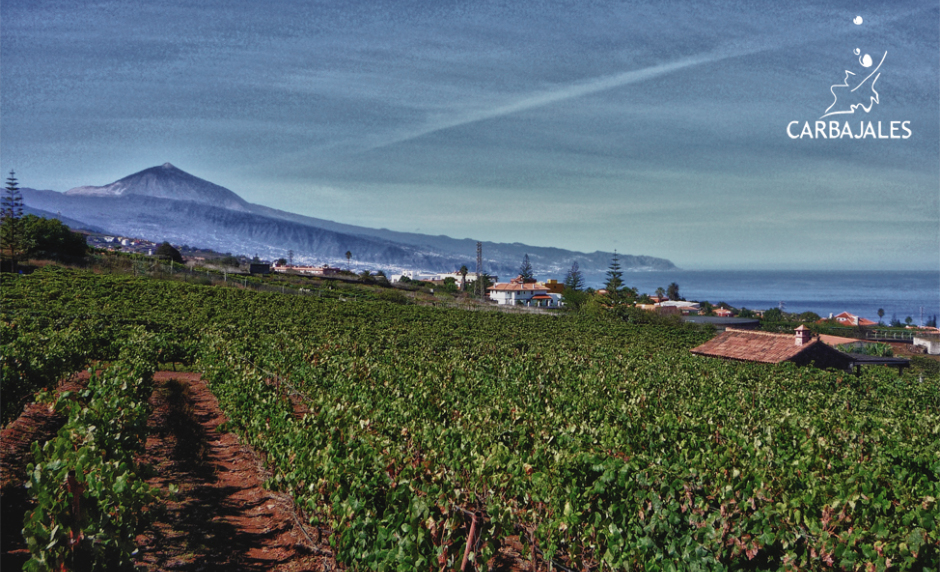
x=900 y=293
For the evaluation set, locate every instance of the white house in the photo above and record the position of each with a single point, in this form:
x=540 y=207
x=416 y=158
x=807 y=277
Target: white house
x=414 y=275
x=531 y=294
x=684 y=307
x=929 y=341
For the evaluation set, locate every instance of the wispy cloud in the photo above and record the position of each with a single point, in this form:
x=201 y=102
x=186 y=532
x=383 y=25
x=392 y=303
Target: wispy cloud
x=569 y=92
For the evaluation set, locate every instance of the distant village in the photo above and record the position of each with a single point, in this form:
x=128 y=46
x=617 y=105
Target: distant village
x=518 y=292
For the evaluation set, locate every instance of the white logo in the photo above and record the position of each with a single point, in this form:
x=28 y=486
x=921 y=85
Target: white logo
x=853 y=96
x=865 y=61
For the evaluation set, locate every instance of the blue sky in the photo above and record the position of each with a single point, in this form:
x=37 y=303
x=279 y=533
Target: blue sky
x=654 y=128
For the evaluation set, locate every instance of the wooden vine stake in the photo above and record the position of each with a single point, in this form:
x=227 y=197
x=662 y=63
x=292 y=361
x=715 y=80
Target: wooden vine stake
x=75 y=489
x=471 y=540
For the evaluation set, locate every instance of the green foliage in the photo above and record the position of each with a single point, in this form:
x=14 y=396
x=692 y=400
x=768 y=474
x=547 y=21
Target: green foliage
x=90 y=498
x=609 y=439
x=672 y=291
x=33 y=360
x=923 y=365
x=392 y=296
x=603 y=436
x=450 y=285
x=745 y=313
x=574 y=299
x=49 y=238
x=166 y=251
x=868 y=349
x=773 y=315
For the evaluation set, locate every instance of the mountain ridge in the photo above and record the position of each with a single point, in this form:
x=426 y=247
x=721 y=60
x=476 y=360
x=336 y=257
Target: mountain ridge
x=166 y=203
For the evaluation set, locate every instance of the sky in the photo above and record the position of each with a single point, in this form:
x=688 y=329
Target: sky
x=670 y=129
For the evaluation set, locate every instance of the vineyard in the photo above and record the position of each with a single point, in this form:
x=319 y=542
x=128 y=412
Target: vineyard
x=431 y=438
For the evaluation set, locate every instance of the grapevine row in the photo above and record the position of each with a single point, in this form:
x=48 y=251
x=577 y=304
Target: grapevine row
x=91 y=498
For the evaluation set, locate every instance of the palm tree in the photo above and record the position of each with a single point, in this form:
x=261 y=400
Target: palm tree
x=348 y=256
x=463 y=278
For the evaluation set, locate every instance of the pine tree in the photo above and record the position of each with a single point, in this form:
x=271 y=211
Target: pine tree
x=11 y=214
x=574 y=280
x=525 y=270
x=614 y=277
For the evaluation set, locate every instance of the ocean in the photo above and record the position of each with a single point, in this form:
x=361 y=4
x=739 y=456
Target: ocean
x=899 y=293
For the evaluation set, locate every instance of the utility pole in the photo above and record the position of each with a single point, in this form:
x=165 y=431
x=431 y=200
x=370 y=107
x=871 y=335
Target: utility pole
x=479 y=287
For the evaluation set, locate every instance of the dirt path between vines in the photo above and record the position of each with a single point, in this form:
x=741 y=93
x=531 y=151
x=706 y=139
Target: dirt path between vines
x=221 y=518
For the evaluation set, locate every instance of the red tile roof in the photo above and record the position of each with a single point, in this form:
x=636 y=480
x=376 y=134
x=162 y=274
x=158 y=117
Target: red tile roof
x=764 y=347
x=851 y=320
x=767 y=347
x=838 y=340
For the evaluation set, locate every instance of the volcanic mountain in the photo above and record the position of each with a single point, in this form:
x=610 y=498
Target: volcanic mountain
x=166 y=203
x=167 y=182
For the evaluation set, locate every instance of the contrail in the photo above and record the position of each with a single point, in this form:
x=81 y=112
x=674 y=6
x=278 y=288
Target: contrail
x=572 y=91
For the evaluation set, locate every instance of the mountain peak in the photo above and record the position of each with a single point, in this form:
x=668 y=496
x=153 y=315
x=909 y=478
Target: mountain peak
x=167 y=182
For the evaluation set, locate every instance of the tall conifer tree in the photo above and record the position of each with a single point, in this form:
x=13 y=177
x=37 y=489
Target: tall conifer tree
x=11 y=214
x=574 y=280
x=614 y=277
x=525 y=270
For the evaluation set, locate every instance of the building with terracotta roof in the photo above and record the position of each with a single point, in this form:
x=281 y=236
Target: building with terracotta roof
x=800 y=348
x=525 y=294
x=847 y=319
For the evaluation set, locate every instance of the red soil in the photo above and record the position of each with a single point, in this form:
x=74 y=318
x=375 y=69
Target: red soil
x=221 y=518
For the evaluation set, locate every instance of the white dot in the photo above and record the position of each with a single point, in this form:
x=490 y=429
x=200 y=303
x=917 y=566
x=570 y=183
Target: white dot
x=858 y=20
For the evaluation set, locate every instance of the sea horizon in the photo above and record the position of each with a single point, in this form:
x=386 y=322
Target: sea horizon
x=900 y=293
